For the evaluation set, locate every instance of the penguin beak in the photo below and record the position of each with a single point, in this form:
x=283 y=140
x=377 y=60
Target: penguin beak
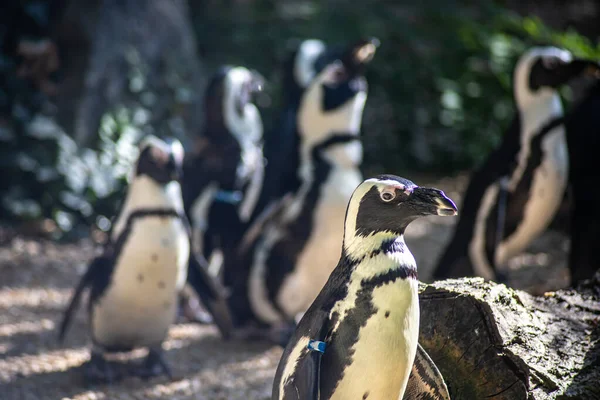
x=357 y=56
x=430 y=201
x=562 y=72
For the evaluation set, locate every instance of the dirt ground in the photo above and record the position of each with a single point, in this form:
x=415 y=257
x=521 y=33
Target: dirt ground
x=37 y=277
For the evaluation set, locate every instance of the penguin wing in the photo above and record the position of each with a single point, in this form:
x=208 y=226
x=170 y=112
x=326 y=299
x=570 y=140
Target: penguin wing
x=97 y=265
x=211 y=294
x=306 y=380
x=425 y=381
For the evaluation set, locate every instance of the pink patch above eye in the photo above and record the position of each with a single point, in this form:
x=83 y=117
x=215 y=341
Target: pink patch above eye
x=402 y=188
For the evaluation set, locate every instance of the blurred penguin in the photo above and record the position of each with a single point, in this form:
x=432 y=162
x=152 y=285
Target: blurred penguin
x=135 y=282
x=223 y=175
x=516 y=193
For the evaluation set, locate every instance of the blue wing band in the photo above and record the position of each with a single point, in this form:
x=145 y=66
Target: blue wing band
x=228 y=196
x=315 y=345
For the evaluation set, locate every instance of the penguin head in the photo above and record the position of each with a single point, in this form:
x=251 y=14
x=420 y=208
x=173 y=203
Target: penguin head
x=331 y=87
x=229 y=104
x=388 y=204
x=160 y=160
x=542 y=70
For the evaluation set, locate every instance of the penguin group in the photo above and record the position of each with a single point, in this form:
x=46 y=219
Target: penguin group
x=282 y=238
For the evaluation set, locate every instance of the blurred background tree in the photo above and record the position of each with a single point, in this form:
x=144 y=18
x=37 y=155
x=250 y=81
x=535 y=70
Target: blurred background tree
x=440 y=94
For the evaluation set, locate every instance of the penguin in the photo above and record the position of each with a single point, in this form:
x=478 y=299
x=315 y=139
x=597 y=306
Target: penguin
x=583 y=139
x=358 y=339
x=300 y=70
x=145 y=263
x=224 y=174
x=512 y=198
x=289 y=255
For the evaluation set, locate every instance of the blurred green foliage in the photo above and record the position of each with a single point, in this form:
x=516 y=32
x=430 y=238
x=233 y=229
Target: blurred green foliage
x=440 y=94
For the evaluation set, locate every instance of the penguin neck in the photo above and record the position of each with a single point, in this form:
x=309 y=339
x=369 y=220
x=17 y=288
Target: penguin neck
x=387 y=245
x=538 y=111
x=246 y=126
x=316 y=125
x=247 y=130
x=146 y=193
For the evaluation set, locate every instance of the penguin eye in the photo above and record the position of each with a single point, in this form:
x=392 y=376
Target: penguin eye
x=388 y=195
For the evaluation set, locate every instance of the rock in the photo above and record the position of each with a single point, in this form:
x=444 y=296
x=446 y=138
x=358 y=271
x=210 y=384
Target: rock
x=490 y=341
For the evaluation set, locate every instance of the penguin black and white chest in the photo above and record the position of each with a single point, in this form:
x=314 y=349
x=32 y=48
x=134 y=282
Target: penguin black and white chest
x=145 y=264
x=359 y=337
x=516 y=193
x=138 y=305
x=223 y=176
x=316 y=103
x=296 y=251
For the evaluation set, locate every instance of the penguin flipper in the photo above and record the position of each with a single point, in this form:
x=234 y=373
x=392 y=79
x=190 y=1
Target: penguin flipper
x=425 y=381
x=306 y=382
x=211 y=294
x=86 y=280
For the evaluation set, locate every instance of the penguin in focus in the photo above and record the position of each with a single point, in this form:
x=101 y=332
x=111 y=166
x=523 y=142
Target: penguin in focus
x=289 y=255
x=512 y=198
x=134 y=284
x=224 y=174
x=359 y=337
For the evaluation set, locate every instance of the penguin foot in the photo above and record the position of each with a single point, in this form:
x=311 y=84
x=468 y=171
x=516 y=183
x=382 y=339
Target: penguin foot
x=154 y=365
x=99 y=371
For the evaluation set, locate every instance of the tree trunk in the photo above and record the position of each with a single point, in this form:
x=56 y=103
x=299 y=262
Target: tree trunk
x=490 y=341
x=140 y=54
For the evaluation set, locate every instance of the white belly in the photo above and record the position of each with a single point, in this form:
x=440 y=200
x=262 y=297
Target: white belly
x=547 y=191
x=385 y=352
x=324 y=247
x=140 y=302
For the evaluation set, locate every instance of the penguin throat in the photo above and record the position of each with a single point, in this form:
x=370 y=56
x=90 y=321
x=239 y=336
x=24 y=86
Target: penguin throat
x=535 y=114
x=246 y=126
x=358 y=247
x=533 y=118
x=143 y=193
x=315 y=124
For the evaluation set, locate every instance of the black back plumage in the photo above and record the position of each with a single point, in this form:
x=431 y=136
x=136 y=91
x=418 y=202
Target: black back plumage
x=583 y=139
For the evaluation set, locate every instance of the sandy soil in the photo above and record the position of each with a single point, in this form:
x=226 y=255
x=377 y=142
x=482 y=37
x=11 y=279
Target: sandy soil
x=37 y=277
